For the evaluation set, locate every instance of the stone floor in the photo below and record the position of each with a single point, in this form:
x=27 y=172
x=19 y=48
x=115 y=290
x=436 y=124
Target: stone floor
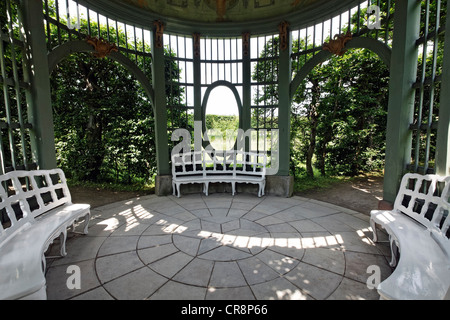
x=219 y=247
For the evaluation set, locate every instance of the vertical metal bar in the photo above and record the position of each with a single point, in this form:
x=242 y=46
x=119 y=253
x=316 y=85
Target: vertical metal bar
x=69 y=22
x=314 y=40
x=359 y=18
x=421 y=89
x=47 y=23
x=16 y=80
x=117 y=34
x=107 y=30
x=6 y=90
x=57 y=20
x=98 y=25
x=89 y=22
x=135 y=45
x=388 y=16
x=432 y=85
x=143 y=52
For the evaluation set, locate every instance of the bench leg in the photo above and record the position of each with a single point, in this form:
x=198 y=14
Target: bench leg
x=62 y=240
x=233 y=188
x=87 y=218
x=206 y=188
x=394 y=251
x=373 y=225
x=174 y=189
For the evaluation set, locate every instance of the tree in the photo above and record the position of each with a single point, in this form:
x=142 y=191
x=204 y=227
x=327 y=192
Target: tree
x=338 y=114
x=104 y=124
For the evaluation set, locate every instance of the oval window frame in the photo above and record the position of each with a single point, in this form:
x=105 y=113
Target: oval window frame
x=237 y=98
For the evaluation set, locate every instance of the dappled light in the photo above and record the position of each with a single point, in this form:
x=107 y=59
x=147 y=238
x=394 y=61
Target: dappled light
x=264 y=248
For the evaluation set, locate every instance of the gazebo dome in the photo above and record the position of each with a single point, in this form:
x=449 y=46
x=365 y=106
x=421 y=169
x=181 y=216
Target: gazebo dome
x=220 y=17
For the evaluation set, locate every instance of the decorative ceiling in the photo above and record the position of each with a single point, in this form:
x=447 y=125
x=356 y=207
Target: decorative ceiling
x=220 y=16
x=222 y=10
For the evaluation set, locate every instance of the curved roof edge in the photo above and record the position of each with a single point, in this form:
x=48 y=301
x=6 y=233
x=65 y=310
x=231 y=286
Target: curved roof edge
x=129 y=14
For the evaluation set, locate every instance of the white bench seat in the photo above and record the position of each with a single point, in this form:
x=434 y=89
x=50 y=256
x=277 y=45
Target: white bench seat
x=419 y=233
x=422 y=272
x=218 y=167
x=24 y=241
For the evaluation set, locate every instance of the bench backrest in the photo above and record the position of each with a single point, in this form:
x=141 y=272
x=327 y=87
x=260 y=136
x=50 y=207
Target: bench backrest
x=210 y=162
x=425 y=198
x=187 y=164
x=250 y=163
x=26 y=195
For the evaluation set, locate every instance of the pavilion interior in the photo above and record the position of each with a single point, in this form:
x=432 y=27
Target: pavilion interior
x=218 y=44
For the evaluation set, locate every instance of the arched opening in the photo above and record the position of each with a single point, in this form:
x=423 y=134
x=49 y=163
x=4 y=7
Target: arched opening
x=339 y=116
x=103 y=122
x=221 y=115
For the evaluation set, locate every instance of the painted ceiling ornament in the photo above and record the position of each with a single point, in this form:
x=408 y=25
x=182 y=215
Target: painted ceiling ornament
x=246 y=43
x=337 y=44
x=102 y=47
x=196 y=37
x=221 y=7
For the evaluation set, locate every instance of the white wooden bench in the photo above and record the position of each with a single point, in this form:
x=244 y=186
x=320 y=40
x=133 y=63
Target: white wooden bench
x=419 y=233
x=218 y=166
x=35 y=209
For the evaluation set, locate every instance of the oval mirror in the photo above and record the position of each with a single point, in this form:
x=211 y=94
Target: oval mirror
x=221 y=117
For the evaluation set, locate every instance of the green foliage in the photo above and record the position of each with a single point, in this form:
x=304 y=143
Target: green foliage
x=338 y=115
x=104 y=123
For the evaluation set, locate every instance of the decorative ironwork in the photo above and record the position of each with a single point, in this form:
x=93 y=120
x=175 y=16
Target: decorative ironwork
x=246 y=43
x=283 y=28
x=159 y=32
x=102 y=47
x=337 y=44
x=196 y=37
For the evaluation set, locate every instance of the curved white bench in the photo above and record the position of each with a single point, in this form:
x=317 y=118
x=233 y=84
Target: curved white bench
x=419 y=232
x=35 y=209
x=218 y=166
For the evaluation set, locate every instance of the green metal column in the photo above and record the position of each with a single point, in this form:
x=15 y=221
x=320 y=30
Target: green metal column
x=443 y=133
x=284 y=105
x=401 y=94
x=40 y=113
x=159 y=87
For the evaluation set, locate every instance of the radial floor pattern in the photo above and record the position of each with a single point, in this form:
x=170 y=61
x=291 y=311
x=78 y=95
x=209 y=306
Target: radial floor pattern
x=220 y=247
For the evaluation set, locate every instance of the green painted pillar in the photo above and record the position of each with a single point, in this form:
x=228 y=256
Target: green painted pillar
x=284 y=103
x=159 y=87
x=40 y=113
x=401 y=94
x=443 y=133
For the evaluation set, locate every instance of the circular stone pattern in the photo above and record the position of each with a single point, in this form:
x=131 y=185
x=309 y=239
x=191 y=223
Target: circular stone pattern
x=222 y=238
x=220 y=247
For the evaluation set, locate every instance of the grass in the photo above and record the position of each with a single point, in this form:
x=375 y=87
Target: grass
x=137 y=187
x=305 y=183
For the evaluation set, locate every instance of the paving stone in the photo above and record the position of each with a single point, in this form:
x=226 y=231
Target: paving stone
x=227 y=275
x=197 y=273
x=221 y=247
x=137 y=285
